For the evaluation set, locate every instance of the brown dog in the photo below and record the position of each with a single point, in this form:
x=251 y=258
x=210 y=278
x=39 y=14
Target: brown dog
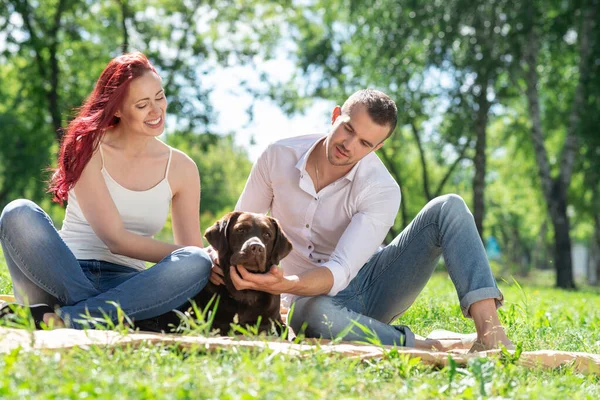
x=255 y=241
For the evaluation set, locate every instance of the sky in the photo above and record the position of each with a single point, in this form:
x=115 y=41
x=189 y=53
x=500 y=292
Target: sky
x=270 y=123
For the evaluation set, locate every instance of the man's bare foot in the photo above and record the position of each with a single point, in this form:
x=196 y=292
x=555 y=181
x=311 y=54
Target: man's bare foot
x=53 y=321
x=490 y=333
x=493 y=339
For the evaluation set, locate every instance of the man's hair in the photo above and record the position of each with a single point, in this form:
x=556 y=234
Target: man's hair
x=380 y=106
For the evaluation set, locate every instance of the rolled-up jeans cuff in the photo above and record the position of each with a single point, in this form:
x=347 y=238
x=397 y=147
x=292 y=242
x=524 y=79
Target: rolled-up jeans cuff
x=409 y=336
x=478 y=295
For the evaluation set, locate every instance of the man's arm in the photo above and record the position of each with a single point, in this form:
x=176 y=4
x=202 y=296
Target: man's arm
x=312 y=283
x=376 y=214
x=364 y=234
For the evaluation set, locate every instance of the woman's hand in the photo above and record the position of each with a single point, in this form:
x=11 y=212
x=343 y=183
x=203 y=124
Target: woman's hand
x=216 y=273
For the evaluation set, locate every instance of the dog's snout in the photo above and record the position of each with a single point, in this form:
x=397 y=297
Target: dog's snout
x=257 y=248
x=254 y=247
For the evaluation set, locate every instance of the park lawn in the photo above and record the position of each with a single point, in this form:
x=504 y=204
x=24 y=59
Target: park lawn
x=536 y=317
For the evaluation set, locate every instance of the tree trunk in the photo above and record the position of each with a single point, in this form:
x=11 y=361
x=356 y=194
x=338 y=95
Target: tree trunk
x=423 y=162
x=555 y=190
x=507 y=264
x=480 y=156
x=571 y=145
x=597 y=246
x=541 y=251
x=429 y=195
x=396 y=174
x=124 y=16
x=562 y=239
x=49 y=69
x=594 y=265
x=522 y=253
x=53 y=99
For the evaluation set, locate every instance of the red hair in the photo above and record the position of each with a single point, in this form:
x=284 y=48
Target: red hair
x=97 y=114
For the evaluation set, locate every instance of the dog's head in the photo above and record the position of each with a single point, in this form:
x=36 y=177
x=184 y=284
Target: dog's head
x=255 y=241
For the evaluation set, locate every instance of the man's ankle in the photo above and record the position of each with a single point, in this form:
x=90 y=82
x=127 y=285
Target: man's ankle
x=494 y=337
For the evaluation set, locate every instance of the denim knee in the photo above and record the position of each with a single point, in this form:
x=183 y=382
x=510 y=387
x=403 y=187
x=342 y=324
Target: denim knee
x=195 y=262
x=452 y=203
x=449 y=205
x=314 y=313
x=18 y=214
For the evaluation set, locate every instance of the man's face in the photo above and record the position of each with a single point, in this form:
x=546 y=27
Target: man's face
x=353 y=136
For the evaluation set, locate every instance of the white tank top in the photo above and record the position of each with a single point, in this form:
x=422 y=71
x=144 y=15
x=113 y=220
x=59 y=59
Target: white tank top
x=143 y=212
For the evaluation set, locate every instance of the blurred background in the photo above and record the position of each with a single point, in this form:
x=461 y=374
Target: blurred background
x=499 y=101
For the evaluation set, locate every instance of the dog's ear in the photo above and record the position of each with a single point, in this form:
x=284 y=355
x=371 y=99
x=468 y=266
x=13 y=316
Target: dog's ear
x=217 y=235
x=281 y=246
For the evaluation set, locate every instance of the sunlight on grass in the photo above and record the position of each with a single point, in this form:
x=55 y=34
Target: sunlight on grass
x=536 y=317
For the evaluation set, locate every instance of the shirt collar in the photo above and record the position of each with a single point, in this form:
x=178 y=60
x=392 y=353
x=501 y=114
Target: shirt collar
x=301 y=164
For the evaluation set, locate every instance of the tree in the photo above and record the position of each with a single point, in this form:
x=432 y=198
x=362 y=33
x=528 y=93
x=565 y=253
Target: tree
x=516 y=215
x=587 y=199
x=54 y=52
x=343 y=46
x=453 y=68
x=555 y=188
x=469 y=39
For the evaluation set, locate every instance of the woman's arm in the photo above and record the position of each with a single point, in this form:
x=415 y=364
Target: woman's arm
x=101 y=213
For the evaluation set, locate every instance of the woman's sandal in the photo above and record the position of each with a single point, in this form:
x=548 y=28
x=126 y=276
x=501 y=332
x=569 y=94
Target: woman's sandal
x=37 y=311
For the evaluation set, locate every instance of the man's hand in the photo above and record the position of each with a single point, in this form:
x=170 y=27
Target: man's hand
x=216 y=273
x=272 y=282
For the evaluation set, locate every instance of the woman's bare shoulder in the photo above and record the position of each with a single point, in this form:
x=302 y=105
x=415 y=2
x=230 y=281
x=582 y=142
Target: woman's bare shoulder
x=183 y=170
x=181 y=160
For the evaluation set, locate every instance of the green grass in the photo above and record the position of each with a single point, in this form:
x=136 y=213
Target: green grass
x=537 y=317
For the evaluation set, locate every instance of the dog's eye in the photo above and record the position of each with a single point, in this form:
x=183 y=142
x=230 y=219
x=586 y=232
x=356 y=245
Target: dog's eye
x=267 y=235
x=240 y=230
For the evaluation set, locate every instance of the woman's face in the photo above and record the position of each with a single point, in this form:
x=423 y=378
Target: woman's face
x=144 y=107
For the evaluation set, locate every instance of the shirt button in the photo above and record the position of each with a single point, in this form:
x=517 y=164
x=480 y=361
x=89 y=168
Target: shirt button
x=316 y=198
x=310 y=256
x=318 y=260
x=309 y=246
x=307 y=225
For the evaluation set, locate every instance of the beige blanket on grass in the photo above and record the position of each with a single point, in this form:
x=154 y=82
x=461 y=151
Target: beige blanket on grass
x=62 y=339
x=456 y=345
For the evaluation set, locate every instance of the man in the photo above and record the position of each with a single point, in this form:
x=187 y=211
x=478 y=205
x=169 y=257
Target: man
x=336 y=202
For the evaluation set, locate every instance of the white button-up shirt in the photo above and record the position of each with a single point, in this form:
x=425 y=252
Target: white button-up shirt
x=338 y=228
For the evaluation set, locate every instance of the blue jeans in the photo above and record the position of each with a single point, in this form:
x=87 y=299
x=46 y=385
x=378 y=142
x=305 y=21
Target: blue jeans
x=44 y=270
x=392 y=278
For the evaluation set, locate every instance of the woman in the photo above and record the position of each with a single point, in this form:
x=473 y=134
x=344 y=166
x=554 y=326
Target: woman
x=119 y=180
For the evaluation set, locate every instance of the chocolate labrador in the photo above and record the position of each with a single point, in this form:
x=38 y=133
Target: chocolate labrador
x=255 y=241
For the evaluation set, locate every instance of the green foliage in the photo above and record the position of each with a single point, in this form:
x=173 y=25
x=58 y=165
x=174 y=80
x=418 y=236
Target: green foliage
x=443 y=62
x=223 y=168
x=53 y=53
x=516 y=213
